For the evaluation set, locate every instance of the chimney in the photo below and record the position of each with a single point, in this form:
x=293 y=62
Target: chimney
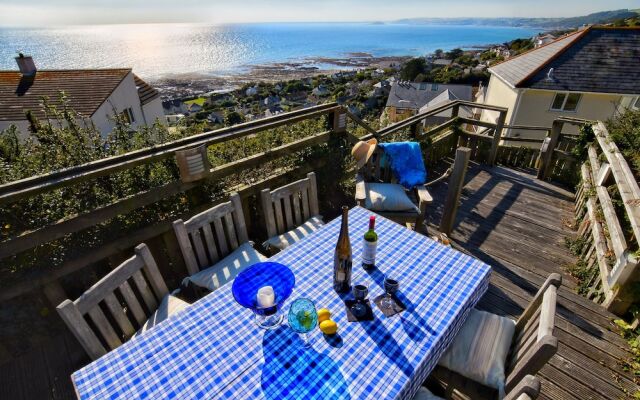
x=26 y=65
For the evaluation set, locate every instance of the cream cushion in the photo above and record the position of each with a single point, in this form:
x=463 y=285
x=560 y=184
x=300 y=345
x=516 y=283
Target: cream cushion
x=288 y=238
x=388 y=197
x=168 y=306
x=425 y=394
x=480 y=350
x=226 y=269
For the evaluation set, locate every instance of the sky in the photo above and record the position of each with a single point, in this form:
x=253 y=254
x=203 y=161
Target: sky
x=67 y=12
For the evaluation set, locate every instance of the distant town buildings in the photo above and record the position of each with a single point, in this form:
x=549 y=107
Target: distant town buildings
x=97 y=95
x=591 y=73
x=407 y=98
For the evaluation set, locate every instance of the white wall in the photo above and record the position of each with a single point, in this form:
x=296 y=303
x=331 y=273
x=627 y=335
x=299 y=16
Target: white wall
x=23 y=127
x=499 y=93
x=153 y=110
x=124 y=96
x=535 y=109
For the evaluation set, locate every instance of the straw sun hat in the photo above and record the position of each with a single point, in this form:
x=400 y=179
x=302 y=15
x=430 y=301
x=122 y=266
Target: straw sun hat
x=362 y=151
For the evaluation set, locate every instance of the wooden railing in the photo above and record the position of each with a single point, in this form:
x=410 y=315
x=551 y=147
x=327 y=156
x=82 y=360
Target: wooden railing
x=484 y=139
x=610 y=257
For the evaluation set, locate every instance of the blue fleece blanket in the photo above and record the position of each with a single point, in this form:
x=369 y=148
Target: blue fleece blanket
x=406 y=163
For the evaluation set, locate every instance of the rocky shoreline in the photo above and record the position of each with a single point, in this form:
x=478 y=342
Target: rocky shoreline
x=180 y=86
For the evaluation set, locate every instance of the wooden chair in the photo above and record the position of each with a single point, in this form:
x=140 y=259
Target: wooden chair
x=532 y=347
x=527 y=389
x=106 y=314
x=291 y=212
x=378 y=170
x=215 y=244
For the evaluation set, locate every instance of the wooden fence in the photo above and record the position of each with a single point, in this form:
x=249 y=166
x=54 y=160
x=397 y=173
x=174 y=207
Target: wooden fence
x=487 y=146
x=610 y=256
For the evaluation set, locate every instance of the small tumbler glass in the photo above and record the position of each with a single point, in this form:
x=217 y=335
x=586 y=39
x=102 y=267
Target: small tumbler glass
x=359 y=308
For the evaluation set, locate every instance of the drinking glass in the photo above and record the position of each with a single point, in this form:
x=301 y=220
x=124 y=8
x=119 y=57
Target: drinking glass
x=303 y=318
x=390 y=287
x=359 y=308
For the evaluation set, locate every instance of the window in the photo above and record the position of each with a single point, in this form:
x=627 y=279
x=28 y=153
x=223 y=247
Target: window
x=636 y=104
x=423 y=86
x=434 y=87
x=127 y=115
x=565 y=101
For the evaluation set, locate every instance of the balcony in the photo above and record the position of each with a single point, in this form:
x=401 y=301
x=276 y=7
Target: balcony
x=517 y=206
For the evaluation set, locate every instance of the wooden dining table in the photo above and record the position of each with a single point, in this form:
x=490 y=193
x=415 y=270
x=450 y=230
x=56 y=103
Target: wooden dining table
x=214 y=350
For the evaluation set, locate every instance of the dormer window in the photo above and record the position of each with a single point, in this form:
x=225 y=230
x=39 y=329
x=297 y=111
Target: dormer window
x=434 y=87
x=423 y=86
x=566 y=102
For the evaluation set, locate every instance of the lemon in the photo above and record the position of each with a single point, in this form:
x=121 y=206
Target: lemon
x=328 y=327
x=323 y=314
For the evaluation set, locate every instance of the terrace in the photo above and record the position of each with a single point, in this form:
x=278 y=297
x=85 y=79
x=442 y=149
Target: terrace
x=516 y=207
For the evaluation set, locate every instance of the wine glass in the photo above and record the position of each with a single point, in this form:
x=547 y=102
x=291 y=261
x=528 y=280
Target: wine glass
x=390 y=287
x=359 y=308
x=303 y=318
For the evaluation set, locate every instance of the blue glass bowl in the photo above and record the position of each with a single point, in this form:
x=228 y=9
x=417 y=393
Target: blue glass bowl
x=248 y=282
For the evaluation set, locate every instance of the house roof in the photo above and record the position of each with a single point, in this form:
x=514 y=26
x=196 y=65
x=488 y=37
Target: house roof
x=146 y=92
x=596 y=59
x=441 y=99
x=86 y=90
x=415 y=95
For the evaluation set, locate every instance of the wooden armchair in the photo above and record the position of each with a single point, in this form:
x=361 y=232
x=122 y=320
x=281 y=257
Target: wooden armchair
x=377 y=170
x=291 y=212
x=114 y=296
x=532 y=346
x=215 y=244
x=527 y=389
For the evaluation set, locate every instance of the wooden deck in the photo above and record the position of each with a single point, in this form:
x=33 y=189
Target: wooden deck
x=508 y=219
x=518 y=225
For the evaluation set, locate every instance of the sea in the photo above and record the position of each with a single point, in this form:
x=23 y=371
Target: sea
x=155 y=51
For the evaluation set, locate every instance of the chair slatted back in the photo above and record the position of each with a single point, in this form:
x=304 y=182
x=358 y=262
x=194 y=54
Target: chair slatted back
x=211 y=235
x=377 y=168
x=111 y=311
x=534 y=344
x=291 y=205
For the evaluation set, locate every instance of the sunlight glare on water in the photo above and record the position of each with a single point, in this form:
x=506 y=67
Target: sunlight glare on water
x=156 y=50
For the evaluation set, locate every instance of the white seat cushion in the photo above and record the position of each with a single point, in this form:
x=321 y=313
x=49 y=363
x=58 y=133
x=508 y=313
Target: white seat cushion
x=168 y=306
x=480 y=350
x=425 y=394
x=288 y=238
x=226 y=269
x=388 y=197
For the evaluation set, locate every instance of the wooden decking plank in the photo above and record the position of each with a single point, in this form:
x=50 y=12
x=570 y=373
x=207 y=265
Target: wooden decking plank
x=10 y=381
x=34 y=375
x=59 y=365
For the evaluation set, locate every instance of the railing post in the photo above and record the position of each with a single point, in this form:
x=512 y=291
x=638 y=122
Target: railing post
x=416 y=130
x=456 y=182
x=497 y=134
x=338 y=121
x=546 y=155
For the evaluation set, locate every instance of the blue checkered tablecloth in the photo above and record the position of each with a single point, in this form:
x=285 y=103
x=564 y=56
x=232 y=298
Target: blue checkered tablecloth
x=213 y=350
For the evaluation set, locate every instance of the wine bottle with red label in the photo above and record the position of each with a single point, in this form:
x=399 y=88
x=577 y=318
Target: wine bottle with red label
x=369 y=245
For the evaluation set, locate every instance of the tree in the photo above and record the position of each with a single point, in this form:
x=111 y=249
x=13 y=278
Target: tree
x=232 y=118
x=438 y=53
x=412 y=68
x=454 y=53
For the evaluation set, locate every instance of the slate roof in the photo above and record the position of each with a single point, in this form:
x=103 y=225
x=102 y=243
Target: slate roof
x=596 y=59
x=146 y=92
x=440 y=100
x=85 y=89
x=415 y=95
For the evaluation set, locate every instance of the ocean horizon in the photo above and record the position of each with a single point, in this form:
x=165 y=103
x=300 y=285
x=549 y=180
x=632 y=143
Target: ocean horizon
x=156 y=51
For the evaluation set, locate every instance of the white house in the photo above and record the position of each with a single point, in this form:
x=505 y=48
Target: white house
x=542 y=40
x=97 y=95
x=592 y=73
x=320 y=91
x=252 y=91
